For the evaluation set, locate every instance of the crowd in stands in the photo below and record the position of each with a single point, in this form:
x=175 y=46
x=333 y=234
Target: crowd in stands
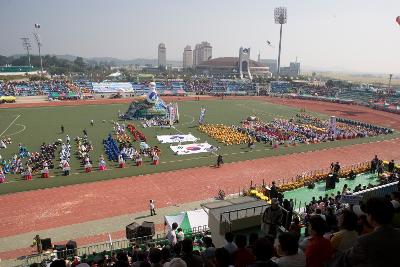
x=32 y=88
x=199 y=86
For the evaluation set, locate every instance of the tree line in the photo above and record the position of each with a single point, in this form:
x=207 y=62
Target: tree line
x=57 y=66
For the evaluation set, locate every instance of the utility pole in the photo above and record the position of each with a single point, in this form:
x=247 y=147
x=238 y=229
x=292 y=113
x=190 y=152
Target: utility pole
x=39 y=45
x=27 y=45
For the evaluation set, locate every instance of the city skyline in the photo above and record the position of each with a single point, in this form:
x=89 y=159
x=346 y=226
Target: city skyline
x=359 y=36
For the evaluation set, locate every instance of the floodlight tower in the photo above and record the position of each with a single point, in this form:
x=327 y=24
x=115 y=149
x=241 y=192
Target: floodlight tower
x=26 y=43
x=39 y=44
x=280 y=15
x=390 y=83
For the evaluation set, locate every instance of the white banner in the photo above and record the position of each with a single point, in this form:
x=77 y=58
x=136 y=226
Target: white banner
x=191 y=149
x=176 y=138
x=110 y=87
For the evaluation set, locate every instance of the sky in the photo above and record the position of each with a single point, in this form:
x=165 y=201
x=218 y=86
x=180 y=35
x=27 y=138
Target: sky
x=355 y=35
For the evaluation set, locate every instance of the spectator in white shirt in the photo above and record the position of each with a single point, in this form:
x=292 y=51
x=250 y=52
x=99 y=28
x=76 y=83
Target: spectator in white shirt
x=230 y=246
x=171 y=236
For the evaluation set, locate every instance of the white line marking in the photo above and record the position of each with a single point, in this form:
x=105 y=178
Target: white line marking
x=20 y=131
x=10 y=125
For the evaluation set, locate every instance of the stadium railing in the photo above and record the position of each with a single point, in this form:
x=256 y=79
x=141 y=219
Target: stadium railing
x=108 y=247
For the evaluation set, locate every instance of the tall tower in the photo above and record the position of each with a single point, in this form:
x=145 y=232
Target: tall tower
x=187 y=57
x=162 y=56
x=202 y=52
x=244 y=62
x=280 y=15
x=258 y=58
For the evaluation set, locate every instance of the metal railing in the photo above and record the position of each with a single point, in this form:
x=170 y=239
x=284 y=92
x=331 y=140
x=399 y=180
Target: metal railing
x=233 y=215
x=242 y=213
x=378 y=191
x=106 y=247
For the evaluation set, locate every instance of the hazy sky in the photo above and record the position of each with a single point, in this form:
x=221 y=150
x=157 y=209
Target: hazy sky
x=359 y=35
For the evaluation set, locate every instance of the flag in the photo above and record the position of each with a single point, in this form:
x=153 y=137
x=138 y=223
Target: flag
x=202 y=114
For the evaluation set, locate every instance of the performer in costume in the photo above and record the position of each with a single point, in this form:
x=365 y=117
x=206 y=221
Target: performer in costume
x=45 y=172
x=2 y=176
x=139 y=160
x=155 y=159
x=121 y=161
x=28 y=173
x=102 y=163
x=88 y=165
x=66 y=167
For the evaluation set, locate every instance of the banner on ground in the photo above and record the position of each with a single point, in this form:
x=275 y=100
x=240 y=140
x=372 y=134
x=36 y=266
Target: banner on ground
x=191 y=148
x=109 y=87
x=176 y=138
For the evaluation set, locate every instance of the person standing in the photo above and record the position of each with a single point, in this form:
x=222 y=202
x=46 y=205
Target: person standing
x=180 y=235
x=319 y=249
x=391 y=166
x=273 y=192
x=152 y=208
x=220 y=161
x=92 y=122
x=271 y=219
x=171 y=235
x=62 y=128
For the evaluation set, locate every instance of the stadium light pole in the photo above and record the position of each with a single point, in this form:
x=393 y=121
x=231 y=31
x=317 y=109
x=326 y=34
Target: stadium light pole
x=27 y=45
x=39 y=44
x=280 y=15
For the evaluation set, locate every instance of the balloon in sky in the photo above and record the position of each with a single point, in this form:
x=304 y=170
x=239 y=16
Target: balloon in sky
x=398 y=20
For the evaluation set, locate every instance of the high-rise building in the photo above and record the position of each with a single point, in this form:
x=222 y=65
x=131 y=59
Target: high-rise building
x=202 y=52
x=187 y=57
x=292 y=71
x=272 y=64
x=162 y=56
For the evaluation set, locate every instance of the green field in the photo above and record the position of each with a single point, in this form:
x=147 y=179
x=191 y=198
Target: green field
x=33 y=126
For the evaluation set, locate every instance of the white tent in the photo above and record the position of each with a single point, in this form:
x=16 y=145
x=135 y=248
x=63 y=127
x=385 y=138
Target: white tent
x=188 y=220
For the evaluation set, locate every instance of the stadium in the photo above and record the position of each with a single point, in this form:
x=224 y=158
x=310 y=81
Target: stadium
x=225 y=162
x=242 y=178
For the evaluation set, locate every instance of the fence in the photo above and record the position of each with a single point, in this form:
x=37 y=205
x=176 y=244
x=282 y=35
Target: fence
x=106 y=247
x=378 y=191
x=230 y=216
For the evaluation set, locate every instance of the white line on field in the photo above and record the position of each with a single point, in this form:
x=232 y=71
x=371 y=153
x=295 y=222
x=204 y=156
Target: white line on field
x=10 y=125
x=20 y=131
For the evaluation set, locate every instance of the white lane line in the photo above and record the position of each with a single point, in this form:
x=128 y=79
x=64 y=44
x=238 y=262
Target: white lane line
x=10 y=125
x=173 y=127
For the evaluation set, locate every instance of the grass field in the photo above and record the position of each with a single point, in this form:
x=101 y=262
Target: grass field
x=33 y=126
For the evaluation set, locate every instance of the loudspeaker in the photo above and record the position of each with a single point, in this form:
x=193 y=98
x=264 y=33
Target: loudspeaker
x=131 y=230
x=147 y=229
x=46 y=243
x=134 y=230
